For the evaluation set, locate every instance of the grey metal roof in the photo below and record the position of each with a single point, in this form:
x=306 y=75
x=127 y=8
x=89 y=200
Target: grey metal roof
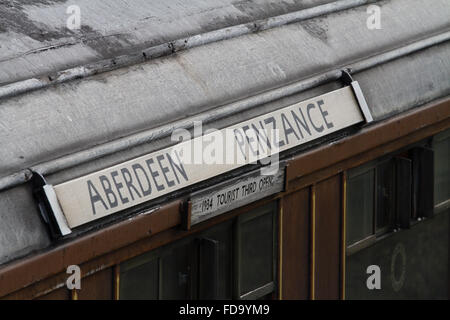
x=75 y=127
x=35 y=40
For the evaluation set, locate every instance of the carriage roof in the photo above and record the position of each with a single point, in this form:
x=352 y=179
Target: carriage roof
x=76 y=101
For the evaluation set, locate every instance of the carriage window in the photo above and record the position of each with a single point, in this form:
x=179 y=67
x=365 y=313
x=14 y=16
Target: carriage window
x=371 y=202
x=385 y=196
x=411 y=242
x=215 y=262
x=235 y=259
x=388 y=194
x=441 y=146
x=256 y=251
x=360 y=209
x=140 y=278
x=161 y=274
x=423 y=182
x=177 y=272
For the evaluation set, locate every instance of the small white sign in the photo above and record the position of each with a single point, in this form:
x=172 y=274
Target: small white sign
x=233 y=194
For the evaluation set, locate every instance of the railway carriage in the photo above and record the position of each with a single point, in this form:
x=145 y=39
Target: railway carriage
x=338 y=179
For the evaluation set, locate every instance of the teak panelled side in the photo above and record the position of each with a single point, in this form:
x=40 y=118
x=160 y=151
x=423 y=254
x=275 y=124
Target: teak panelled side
x=24 y=272
x=98 y=286
x=296 y=234
x=38 y=275
x=58 y=294
x=327 y=255
x=111 y=259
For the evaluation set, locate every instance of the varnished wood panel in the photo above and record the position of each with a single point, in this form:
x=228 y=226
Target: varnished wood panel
x=58 y=294
x=88 y=247
x=98 y=286
x=33 y=275
x=296 y=244
x=328 y=238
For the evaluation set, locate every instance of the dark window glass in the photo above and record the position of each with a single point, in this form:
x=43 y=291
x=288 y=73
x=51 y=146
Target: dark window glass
x=256 y=251
x=176 y=273
x=423 y=181
x=403 y=195
x=208 y=265
x=360 y=207
x=414 y=263
x=222 y=234
x=139 y=279
x=442 y=169
x=385 y=195
x=414 y=260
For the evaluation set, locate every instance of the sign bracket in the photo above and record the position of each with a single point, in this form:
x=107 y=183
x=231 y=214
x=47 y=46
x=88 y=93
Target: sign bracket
x=49 y=207
x=347 y=79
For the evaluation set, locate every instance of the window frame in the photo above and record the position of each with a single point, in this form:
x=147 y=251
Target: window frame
x=390 y=226
x=159 y=254
x=444 y=205
x=354 y=173
x=271 y=287
x=428 y=143
x=193 y=242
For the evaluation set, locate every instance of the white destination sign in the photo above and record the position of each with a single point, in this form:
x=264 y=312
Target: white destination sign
x=230 y=195
x=136 y=181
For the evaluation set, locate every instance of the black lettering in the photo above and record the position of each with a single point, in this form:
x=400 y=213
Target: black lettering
x=240 y=141
x=164 y=170
x=178 y=168
x=129 y=182
x=248 y=189
x=154 y=174
x=324 y=114
x=308 y=110
x=261 y=135
x=108 y=191
x=265 y=183
x=299 y=122
x=274 y=125
x=94 y=196
x=250 y=140
x=228 y=197
x=119 y=186
x=288 y=128
x=145 y=192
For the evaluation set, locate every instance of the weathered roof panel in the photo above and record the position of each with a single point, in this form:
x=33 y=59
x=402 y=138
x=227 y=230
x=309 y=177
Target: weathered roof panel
x=73 y=116
x=21 y=228
x=35 y=40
